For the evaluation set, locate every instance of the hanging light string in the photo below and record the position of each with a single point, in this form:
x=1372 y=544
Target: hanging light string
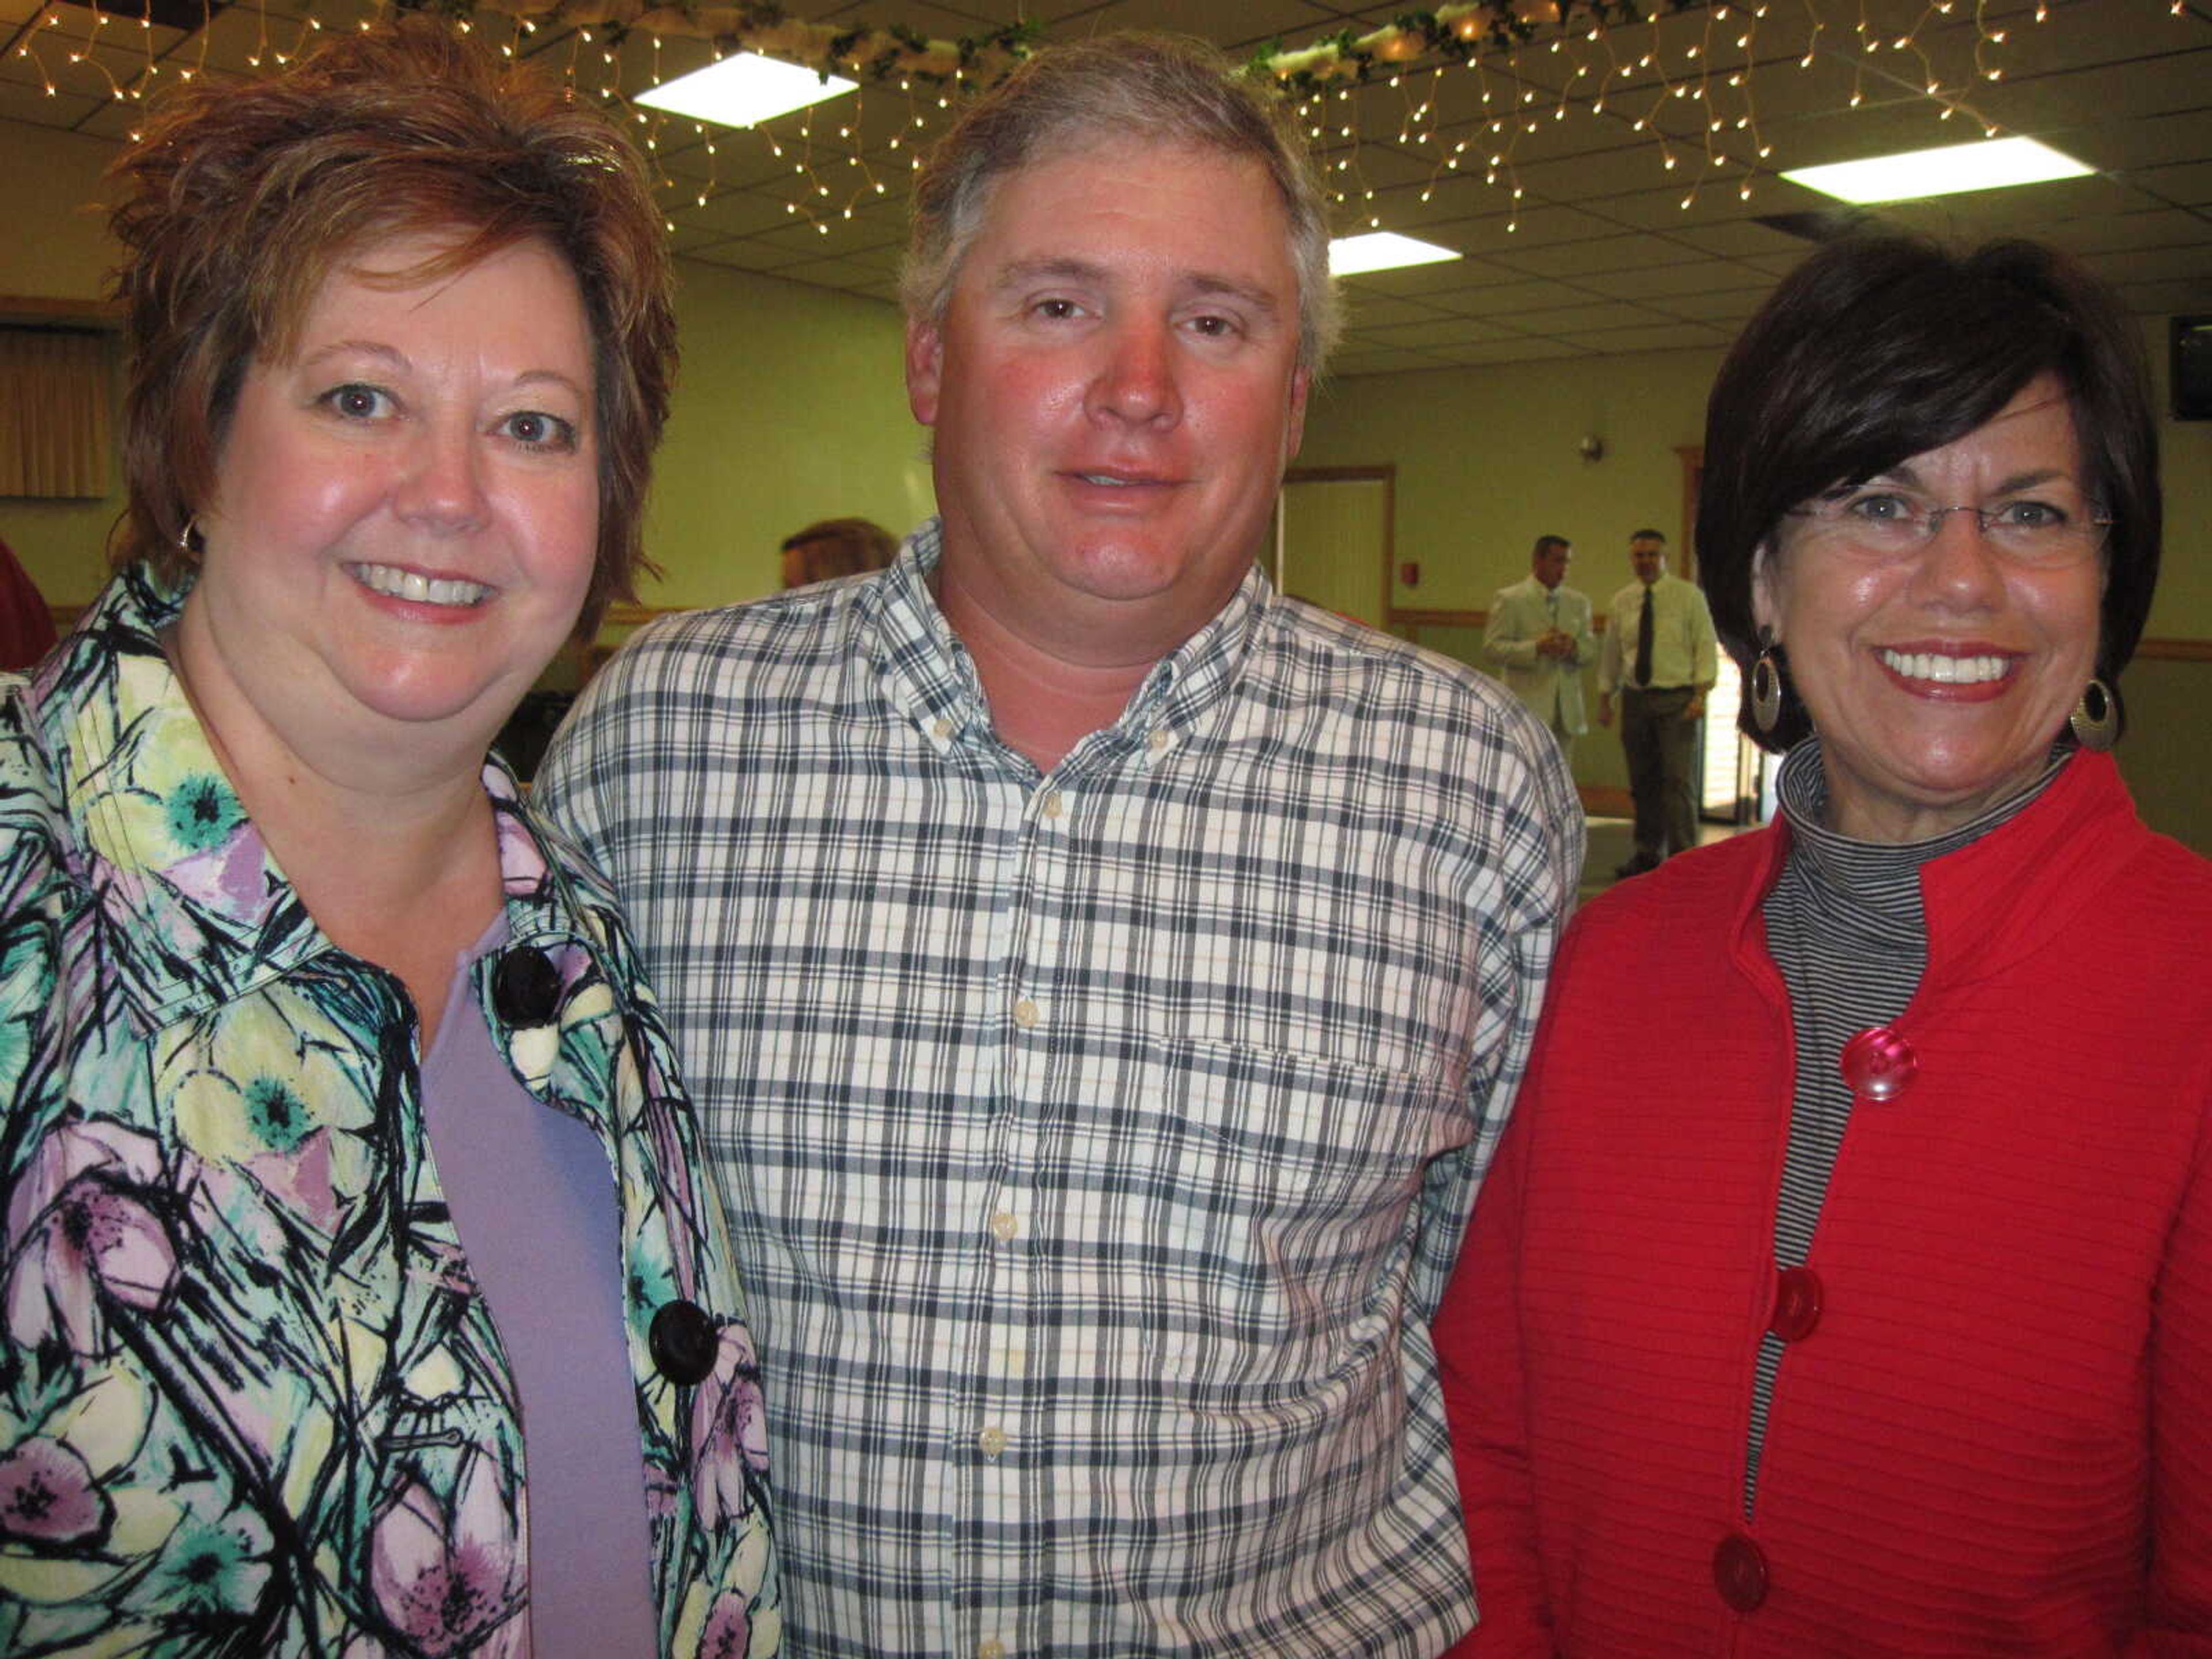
x=1458 y=69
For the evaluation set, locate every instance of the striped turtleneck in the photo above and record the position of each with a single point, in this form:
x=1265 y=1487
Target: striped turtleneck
x=1845 y=926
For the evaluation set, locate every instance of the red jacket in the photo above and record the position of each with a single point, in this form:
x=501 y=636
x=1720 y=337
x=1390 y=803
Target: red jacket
x=1996 y=1436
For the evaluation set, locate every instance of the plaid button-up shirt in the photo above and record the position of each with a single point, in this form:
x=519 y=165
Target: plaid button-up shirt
x=1097 y=1143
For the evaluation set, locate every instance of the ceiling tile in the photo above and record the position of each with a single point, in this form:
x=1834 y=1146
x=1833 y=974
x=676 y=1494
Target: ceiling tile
x=2189 y=183
x=1442 y=331
x=1583 y=319
x=2115 y=233
x=23 y=100
x=1733 y=306
x=2184 y=264
x=1600 y=254
x=1660 y=282
x=1511 y=351
x=1738 y=239
x=1513 y=300
x=2164 y=299
x=2121 y=143
x=738 y=213
x=690 y=237
x=1415 y=281
x=1379 y=360
x=749 y=253
x=1371 y=310
x=1666 y=336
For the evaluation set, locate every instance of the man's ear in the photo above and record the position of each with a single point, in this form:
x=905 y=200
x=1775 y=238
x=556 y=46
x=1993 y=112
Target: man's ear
x=925 y=368
x=1294 y=431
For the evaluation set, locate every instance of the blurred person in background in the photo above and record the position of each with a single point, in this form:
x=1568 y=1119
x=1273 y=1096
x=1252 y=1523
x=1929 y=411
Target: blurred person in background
x=1537 y=636
x=26 y=625
x=1659 y=659
x=831 y=548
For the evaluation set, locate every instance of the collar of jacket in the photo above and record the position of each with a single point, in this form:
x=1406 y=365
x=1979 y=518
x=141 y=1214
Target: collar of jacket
x=2003 y=897
x=194 y=908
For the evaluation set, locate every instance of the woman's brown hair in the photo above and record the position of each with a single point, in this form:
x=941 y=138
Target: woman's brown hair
x=240 y=200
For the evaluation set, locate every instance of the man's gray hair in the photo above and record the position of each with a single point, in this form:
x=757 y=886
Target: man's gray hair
x=1150 y=89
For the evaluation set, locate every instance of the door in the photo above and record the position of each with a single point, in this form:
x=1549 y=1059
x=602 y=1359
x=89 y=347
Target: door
x=1333 y=535
x=1732 y=771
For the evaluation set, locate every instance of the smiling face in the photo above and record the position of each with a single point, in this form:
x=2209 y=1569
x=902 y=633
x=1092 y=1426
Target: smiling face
x=1937 y=682
x=1115 y=390
x=406 y=511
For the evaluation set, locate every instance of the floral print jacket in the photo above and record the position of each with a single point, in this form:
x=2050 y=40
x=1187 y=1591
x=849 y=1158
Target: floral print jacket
x=250 y=1400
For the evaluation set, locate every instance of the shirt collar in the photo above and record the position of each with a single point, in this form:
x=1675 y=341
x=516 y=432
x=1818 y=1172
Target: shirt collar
x=928 y=675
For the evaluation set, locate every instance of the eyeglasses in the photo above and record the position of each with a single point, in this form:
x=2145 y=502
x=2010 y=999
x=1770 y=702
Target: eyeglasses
x=2056 y=527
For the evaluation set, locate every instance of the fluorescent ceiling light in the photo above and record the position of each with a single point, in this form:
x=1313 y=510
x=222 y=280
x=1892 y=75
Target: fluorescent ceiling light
x=1989 y=165
x=744 y=89
x=1381 y=250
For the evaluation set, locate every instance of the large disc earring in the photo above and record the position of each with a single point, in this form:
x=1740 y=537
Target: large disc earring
x=1767 y=685
x=2096 y=718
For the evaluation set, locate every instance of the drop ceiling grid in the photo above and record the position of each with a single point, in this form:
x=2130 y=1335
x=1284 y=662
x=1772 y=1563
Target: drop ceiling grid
x=1597 y=255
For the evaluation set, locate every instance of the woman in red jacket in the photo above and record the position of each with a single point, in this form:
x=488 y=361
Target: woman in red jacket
x=1843 y=1285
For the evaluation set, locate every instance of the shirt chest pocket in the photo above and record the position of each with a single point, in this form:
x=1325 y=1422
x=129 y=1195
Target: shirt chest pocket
x=1272 y=1159
x=1266 y=1196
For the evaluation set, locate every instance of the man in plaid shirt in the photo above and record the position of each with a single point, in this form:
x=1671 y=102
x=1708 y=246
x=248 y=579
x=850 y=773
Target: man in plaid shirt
x=1103 y=980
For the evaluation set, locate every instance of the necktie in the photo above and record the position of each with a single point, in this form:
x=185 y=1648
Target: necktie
x=1643 y=641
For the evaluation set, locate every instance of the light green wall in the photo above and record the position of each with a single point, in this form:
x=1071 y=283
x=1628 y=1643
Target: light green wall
x=56 y=244
x=1486 y=462
x=790 y=409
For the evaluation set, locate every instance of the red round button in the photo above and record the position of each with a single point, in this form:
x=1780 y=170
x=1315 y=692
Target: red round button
x=1878 y=1063
x=1740 y=1572
x=1796 y=1303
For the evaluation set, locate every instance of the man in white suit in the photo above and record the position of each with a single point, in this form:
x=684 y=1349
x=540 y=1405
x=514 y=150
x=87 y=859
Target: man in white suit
x=1539 y=639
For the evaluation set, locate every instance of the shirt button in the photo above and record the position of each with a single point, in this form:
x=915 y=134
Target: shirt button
x=1004 y=1226
x=1158 y=739
x=1796 y=1303
x=1027 y=1014
x=526 y=988
x=1740 y=1572
x=683 y=1342
x=941 y=729
x=993 y=1648
x=1878 y=1063
x=992 y=1441
x=1054 y=805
